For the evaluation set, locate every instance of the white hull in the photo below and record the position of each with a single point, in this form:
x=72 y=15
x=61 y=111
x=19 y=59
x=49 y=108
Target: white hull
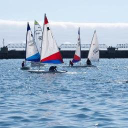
x=43 y=71
x=36 y=71
x=81 y=66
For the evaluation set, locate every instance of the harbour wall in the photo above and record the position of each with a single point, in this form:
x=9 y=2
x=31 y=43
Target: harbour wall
x=109 y=53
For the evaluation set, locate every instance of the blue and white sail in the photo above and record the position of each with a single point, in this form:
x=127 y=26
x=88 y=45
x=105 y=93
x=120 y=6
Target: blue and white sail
x=32 y=53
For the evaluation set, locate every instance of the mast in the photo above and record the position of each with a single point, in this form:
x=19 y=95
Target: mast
x=34 y=31
x=80 y=43
x=80 y=46
x=42 y=37
x=26 y=41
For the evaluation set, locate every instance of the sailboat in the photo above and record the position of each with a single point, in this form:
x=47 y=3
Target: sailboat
x=38 y=42
x=50 y=53
x=32 y=53
x=93 y=54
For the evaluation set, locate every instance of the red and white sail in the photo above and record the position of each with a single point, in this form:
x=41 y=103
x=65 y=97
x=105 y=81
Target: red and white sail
x=94 y=49
x=77 y=56
x=50 y=52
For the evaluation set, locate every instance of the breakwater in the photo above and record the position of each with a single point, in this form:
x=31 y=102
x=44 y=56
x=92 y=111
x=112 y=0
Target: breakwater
x=111 y=52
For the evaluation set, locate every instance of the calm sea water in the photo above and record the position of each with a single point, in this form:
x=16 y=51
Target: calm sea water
x=80 y=98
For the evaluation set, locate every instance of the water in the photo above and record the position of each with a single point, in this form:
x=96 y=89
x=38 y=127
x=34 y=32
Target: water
x=80 y=98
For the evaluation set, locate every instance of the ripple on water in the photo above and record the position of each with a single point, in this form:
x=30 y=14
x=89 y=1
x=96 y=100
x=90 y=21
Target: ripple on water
x=64 y=126
x=85 y=109
x=81 y=116
x=47 y=102
x=74 y=106
x=5 y=124
x=45 y=119
x=80 y=98
x=16 y=117
x=26 y=120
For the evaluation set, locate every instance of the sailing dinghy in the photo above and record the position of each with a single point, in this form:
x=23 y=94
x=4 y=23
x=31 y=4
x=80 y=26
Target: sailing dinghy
x=77 y=56
x=50 y=53
x=93 y=54
x=32 y=53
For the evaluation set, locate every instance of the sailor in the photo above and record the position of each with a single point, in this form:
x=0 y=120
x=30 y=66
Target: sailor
x=88 y=62
x=70 y=63
x=23 y=64
x=53 y=68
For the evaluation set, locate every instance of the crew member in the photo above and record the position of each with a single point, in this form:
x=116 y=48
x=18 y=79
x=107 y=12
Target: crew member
x=70 y=63
x=88 y=62
x=23 y=64
x=53 y=68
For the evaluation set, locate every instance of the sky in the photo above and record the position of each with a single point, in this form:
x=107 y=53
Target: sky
x=108 y=17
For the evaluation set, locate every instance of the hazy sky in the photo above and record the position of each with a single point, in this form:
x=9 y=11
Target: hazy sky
x=108 y=17
x=66 y=10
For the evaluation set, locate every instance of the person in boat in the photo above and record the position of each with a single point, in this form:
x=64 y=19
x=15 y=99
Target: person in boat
x=70 y=63
x=22 y=64
x=88 y=62
x=53 y=68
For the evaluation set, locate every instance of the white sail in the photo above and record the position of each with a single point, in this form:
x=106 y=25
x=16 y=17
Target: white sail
x=38 y=35
x=32 y=53
x=94 y=49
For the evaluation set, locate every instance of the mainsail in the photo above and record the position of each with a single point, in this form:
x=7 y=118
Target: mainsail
x=94 y=49
x=38 y=35
x=77 y=56
x=32 y=53
x=50 y=52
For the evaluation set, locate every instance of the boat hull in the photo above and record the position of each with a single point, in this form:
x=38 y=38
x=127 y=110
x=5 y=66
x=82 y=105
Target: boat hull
x=43 y=71
x=81 y=66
